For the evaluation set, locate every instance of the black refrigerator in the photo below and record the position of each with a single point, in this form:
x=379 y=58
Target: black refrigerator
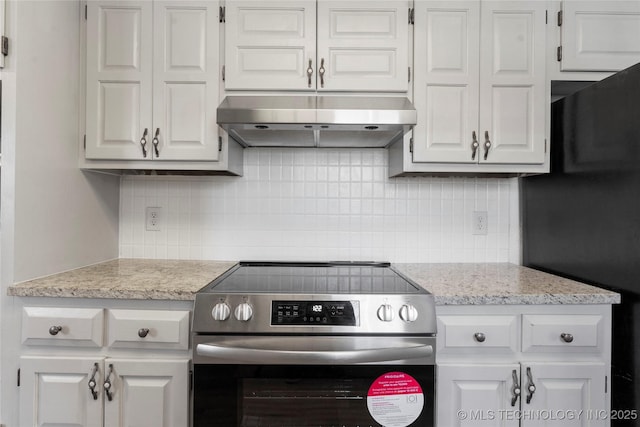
x=582 y=220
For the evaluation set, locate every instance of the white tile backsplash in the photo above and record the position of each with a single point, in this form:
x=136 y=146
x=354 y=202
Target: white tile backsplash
x=315 y=204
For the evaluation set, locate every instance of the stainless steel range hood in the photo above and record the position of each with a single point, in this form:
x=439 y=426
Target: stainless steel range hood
x=316 y=121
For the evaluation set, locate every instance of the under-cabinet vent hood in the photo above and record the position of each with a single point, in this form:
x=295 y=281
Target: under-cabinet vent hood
x=316 y=121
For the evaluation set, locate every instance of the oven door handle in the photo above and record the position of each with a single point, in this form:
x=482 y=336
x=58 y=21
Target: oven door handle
x=335 y=352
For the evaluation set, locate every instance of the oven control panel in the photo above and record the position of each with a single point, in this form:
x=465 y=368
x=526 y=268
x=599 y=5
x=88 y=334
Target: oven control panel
x=314 y=313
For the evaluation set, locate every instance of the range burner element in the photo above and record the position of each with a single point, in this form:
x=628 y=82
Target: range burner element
x=314 y=298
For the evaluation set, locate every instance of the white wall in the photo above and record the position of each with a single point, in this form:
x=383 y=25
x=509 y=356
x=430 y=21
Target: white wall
x=54 y=217
x=306 y=204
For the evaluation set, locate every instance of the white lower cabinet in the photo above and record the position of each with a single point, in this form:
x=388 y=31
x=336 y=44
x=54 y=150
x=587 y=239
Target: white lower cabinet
x=140 y=377
x=526 y=366
x=125 y=392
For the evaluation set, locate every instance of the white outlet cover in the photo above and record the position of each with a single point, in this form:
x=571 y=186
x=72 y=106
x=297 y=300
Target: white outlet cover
x=479 y=222
x=153 y=218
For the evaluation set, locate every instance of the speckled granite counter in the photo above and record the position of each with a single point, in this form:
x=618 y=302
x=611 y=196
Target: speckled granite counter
x=501 y=284
x=127 y=279
x=180 y=280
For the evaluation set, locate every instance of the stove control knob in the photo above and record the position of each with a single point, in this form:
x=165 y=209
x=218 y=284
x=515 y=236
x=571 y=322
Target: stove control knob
x=385 y=313
x=243 y=312
x=221 y=311
x=408 y=313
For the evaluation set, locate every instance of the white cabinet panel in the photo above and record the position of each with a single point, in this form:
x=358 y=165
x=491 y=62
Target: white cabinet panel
x=54 y=391
x=563 y=333
x=185 y=81
x=147 y=392
x=513 y=87
x=118 y=78
x=269 y=46
x=446 y=81
x=600 y=36
x=476 y=389
x=164 y=329
x=560 y=388
x=72 y=326
x=363 y=45
x=478 y=334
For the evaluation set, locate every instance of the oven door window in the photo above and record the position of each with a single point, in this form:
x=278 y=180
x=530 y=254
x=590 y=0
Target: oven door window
x=305 y=396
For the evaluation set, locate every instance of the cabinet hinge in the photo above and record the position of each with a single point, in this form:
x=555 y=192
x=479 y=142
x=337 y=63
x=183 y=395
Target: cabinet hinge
x=84 y=142
x=411 y=145
x=560 y=18
x=85 y=12
x=545 y=146
x=223 y=11
x=223 y=73
x=606 y=384
x=5 y=45
x=220 y=143
x=409 y=80
x=18 y=377
x=546 y=17
x=559 y=53
x=412 y=12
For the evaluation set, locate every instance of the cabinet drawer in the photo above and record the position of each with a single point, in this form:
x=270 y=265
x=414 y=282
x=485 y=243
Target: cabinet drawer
x=566 y=333
x=458 y=333
x=148 y=329
x=62 y=326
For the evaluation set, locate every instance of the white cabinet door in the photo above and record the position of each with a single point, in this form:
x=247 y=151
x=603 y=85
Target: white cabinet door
x=446 y=85
x=363 y=46
x=185 y=80
x=270 y=45
x=600 y=35
x=153 y=393
x=560 y=388
x=119 y=79
x=55 y=391
x=512 y=82
x=476 y=394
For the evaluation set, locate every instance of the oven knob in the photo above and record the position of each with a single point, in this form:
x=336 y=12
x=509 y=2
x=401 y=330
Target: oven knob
x=408 y=313
x=385 y=313
x=243 y=312
x=221 y=311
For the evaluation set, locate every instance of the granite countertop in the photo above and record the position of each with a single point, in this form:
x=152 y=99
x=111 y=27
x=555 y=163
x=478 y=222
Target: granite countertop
x=127 y=279
x=449 y=283
x=501 y=283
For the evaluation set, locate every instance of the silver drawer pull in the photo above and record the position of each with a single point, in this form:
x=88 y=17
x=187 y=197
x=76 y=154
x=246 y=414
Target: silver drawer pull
x=566 y=337
x=479 y=336
x=143 y=332
x=54 y=330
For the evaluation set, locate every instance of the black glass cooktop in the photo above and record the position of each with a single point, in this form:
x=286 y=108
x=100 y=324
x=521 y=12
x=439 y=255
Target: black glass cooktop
x=314 y=278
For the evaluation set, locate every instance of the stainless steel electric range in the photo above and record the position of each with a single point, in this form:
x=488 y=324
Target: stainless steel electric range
x=313 y=344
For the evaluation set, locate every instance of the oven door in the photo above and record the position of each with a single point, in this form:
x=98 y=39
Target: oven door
x=242 y=390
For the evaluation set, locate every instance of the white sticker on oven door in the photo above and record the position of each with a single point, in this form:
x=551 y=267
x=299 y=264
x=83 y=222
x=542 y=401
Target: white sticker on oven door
x=395 y=399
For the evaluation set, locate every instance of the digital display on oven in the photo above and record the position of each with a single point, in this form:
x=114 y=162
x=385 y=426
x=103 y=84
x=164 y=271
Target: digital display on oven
x=313 y=313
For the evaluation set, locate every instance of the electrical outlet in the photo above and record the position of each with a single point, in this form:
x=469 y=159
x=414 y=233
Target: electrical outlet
x=480 y=222
x=154 y=219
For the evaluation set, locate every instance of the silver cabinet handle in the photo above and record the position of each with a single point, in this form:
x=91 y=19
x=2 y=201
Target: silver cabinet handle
x=310 y=72
x=143 y=142
x=143 y=332
x=479 y=336
x=487 y=144
x=531 y=387
x=515 y=389
x=474 y=145
x=92 y=382
x=54 y=330
x=321 y=71
x=107 y=383
x=155 y=142
x=566 y=337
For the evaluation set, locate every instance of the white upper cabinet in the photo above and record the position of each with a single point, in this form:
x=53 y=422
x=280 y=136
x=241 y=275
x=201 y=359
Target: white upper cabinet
x=304 y=45
x=152 y=80
x=599 y=35
x=479 y=88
